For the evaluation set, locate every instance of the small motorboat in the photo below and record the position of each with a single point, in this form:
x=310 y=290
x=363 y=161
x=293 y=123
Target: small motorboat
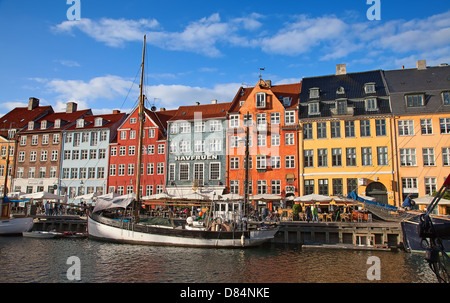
x=42 y=234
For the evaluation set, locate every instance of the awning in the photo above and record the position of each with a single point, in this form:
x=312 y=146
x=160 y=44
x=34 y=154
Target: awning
x=110 y=201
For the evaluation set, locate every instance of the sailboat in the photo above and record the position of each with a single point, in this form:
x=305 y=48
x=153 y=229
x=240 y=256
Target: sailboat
x=107 y=221
x=10 y=225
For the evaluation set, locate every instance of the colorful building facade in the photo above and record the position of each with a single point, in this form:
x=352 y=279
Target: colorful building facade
x=269 y=113
x=347 y=135
x=123 y=154
x=420 y=99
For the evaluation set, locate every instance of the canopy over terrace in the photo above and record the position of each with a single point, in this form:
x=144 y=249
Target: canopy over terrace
x=313 y=198
x=165 y=199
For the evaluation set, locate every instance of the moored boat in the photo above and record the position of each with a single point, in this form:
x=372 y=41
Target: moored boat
x=42 y=234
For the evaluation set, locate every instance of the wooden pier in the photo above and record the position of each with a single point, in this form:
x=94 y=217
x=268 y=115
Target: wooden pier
x=341 y=235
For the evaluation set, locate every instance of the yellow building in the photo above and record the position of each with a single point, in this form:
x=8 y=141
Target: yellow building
x=420 y=99
x=347 y=136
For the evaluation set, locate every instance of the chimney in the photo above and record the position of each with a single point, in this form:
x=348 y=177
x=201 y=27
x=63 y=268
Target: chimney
x=269 y=83
x=421 y=64
x=116 y=111
x=71 y=107
x=33 y=103
x=341 y=69
x=214 y=101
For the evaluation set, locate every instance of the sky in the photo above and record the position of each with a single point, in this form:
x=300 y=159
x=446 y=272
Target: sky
x=197 y=51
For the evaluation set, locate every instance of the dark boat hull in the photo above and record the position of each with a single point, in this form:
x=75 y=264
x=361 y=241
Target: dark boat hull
x=413 y=242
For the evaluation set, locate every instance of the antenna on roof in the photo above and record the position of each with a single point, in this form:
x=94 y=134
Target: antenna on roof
x=260 y=70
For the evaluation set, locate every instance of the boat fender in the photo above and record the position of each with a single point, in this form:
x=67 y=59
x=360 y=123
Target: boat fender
x=242 y=240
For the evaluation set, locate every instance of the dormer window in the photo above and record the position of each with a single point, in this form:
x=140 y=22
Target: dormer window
x=341 y=107
x=371 y=104
x=313 y=108
x=314 y=92
x=44 y=124
x=80 y=123
x=57 y=123
x=340 y=91
x=287 y=101
x=98 y=122
x=260 y=100
x=446 y=98
x=415 y=100
x=31 y=125
x=241 y=103
x=369 y=88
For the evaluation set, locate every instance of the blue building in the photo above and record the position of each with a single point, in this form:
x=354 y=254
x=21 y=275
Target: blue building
x=197 y=150
x=84 y=165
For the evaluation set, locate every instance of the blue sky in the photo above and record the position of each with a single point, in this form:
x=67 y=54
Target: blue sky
x=201 y=50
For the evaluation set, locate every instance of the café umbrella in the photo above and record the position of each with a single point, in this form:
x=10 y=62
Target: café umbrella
x=313 y=198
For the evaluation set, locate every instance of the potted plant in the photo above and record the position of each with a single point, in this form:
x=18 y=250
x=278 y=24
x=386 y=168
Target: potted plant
x=296 y=209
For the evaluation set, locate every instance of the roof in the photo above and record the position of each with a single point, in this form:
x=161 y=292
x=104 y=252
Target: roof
x=108 y=121
x=66 y=120
x=432 y=81
x=352 y=88
x=214 y=110
x=19 y=117
x=280 y=91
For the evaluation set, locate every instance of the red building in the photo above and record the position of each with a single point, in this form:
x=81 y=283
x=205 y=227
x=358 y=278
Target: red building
x=123 y=158
x=270 y=114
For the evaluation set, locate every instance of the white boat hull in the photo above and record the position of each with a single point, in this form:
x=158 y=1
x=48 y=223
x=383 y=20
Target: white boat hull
x=15 y=226
x=42 y=234
x=106 y=232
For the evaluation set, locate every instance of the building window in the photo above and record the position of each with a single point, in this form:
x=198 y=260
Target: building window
x=308 y=158
x=365 y=128
x=406 y=128
x=323 y=187
x=307 y=131
x=350 y=156
x=275 y=139
x=123 y=135
x=414 y=100
x=380 y=127
x=112 y=169
x=214 y=171
x=276 y=187
x=260 y=100
x=309 y=187
x=444 y=124
x=369 y=88
x=149 y=190
x=275 y=118
x=161 y=148
x=313 y=108
x=322 y=157
x=352 y=184
x=446 y=156
x=234 y=163
x=366 y=156
x=55 y=139
x=336 y=157
x=349 y=129
x=44 y=124
x=275 y=162
x=215 y=145
x=198 y=173
x=408 y=157
x=446 y=98
x=160 y=168
x=199 y=145
x=371 y=104
x=382 y=155
x=130 y=169
x=337 y=187
x=185 y=127
x=54 y=156
x=34 y=140
x=121 y=170
x=409 y=185
x=45 y=139
x=335 y=129
x=261 y=162
x=289 y=161
x=261 y=187
x=23 y=140
x=234 y=121
x=289 y=117
x=262 y=140
x=428 y=156
x=314 y=92
x=150 y=169
x=33 y=155
x=426 y=126
x=44 y=155
x=321 y=130
x=234 y=186
x=430 y=186
x=289 y=139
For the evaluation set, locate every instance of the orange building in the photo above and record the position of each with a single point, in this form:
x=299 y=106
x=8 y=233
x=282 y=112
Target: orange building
x=269 y=113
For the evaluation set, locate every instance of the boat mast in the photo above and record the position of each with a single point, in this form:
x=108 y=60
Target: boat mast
x=141 y=116
x=246 y=171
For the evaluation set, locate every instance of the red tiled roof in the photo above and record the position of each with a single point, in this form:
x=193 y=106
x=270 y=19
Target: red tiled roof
x=108 y=120
x=66 y=118
x=215 y=110
x=20 y=116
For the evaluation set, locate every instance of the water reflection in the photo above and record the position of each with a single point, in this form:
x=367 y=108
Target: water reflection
x=39 y=260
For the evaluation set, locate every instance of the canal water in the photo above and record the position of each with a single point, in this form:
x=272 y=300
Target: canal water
x=46 y=260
